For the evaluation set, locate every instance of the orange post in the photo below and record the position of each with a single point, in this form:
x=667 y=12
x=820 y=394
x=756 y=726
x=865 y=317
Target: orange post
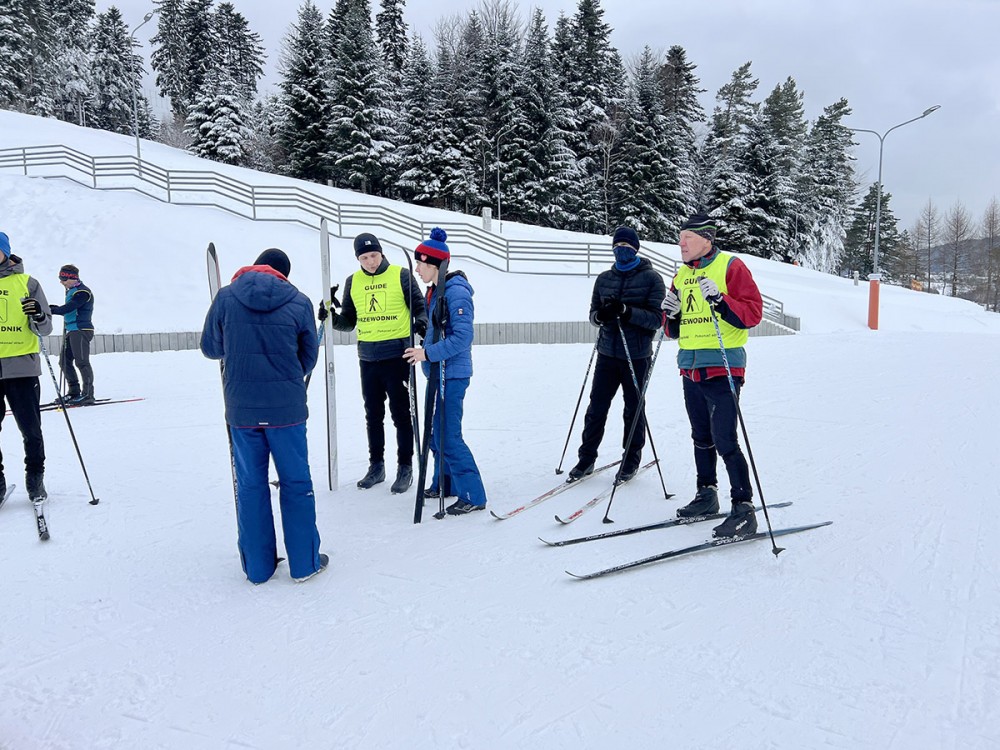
x=873 y=281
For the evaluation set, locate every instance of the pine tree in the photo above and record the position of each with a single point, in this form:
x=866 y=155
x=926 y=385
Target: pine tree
x=784 y=120
x=216 y=121
x=826 y=185
x=859 y=243
x=390 y=35
x=199 y=47
x=264 y=151
x=117 y=72
x=237 y=50
x=15 y=51
x=304 y=96
x=360 y=133
x=170 y=54
x=70 y=78
x=420 y=151
x=679 y=88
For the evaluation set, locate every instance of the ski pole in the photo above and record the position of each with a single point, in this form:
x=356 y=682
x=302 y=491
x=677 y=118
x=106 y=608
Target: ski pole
x=635 y=420
x=775 y=549
x=649 y=431
x=93 y=499
x=579 y=400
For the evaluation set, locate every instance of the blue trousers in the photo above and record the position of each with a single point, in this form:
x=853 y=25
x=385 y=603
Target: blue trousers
x=713 y=416
x=454 y=461
x=252 y=448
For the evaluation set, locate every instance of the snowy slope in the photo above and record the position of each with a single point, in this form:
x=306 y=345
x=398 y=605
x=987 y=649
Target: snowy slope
x=134 y=627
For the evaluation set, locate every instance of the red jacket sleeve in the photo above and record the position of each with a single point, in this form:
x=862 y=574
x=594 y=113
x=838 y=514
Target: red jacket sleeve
x=741 y=306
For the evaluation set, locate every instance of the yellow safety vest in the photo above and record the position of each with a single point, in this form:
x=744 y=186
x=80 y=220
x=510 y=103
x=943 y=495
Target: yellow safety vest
x=16 y=336
x=380 y=305
x=697 y=328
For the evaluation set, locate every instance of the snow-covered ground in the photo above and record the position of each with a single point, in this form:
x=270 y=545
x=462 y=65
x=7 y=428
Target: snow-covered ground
x=133 y=627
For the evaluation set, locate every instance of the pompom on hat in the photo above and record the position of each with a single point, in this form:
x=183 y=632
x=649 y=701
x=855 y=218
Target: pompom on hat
x=434 y=250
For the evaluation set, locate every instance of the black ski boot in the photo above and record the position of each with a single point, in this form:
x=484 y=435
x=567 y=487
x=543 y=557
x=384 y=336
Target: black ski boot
x=33 y=482
x=461 y=507
x=706 y=502
x=741 y=522
x=431 y=492
x=583 y=469
x=404 y=478
x=376 y=474
x=3 y=490
x=626 y=474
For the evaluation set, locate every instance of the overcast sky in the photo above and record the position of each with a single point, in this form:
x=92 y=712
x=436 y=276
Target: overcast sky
x=891 y=60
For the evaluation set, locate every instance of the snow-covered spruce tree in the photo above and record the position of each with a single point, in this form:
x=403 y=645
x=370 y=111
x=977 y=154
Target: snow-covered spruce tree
x=784 y=119
x=550 y=164
x=360 y=135
x=419 y=158
x=643 y=179
x=826 y=188
x=169 y=54
x=237 y=50
x=117 y=73
x=679 y=88
x=448 y=162
x=390 y=36
x=264 y=151
x=504 y=104
x=859 y=241
x=216 y=121
x=755 y=222
x=70 y=78
x=15 y=51
x=304 y=96
x=199 y=46
x=733 y=113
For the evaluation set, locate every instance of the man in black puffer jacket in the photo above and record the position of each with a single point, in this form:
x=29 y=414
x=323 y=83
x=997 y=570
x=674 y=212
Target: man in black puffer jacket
x=626 y=299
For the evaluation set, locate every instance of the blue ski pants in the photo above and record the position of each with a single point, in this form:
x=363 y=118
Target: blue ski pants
x=454 y=461
x=252 y=449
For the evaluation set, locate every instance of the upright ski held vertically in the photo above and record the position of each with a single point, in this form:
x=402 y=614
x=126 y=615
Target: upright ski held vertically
x=214 y=285
x=329 y=371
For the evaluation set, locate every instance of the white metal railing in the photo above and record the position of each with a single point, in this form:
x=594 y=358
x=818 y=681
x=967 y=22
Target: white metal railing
x=308 y=204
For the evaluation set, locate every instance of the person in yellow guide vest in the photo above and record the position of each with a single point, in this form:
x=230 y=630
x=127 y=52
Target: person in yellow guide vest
x=381 y=300
x=712 y=286
x=24 y=316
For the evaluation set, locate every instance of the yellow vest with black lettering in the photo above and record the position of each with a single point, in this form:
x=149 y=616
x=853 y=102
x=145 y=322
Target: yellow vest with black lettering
x=380 y=305
x=697 y=328
x=16 y=336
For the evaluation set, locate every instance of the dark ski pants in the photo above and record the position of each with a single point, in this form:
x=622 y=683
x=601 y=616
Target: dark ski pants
x=22 y=396
x=252 y=448
x=76 y=351
x=712 y=413
x=609 y=375
x=387 y=377
x=453 y=462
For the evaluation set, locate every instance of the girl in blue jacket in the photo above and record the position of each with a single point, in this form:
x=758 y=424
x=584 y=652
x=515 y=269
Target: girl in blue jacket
x=452 y=458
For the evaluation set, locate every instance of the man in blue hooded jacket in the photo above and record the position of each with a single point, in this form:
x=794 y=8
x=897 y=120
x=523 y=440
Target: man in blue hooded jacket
x=261 y=327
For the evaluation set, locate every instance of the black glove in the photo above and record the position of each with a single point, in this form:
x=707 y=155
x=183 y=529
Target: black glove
x=31 y=307
x=323 y=312
x=420 y=328
x=610 y=311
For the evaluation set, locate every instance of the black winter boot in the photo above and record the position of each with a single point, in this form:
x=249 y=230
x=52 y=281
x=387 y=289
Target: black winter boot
x=741 y=522
x=376 y=474
x=584 y=468
x=706 y=502
x=33 y=482
x=3 y=490
x=404 y=478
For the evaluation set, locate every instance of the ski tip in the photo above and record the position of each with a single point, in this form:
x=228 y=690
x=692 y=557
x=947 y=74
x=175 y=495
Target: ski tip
x=577 y=577
x=545 y=541
x=498 y=518
x=560 y=520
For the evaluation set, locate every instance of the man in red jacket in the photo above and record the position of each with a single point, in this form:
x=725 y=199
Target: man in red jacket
x=713 y=288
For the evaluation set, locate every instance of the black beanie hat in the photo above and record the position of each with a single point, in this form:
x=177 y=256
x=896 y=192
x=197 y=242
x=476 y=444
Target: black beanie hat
x=366 y=243
x=276 y=259
x=701 y=224
x=627 y=235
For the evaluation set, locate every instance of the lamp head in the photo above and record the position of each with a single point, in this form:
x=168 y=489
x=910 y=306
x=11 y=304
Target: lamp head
x=931 y=109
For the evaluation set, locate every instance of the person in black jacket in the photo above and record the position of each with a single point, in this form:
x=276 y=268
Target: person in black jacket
x=380 y=300
x=626 y=299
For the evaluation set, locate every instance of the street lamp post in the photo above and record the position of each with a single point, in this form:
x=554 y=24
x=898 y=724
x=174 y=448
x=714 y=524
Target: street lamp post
x=135 y=89
x=875 y=277
x=500 y=136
